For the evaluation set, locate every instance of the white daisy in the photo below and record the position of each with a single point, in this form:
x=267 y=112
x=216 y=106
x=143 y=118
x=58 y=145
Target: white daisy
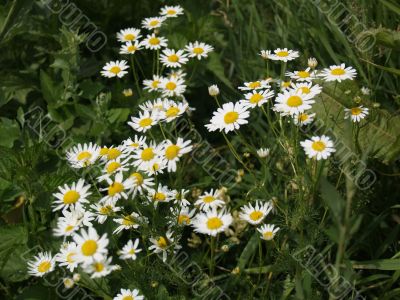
x=180 y=197
x=115 y=69
x=284 y=55
x=172 y=86
x=338 y=73
x=144 y=157
x=132 y=144
x=130 y=250
x=66 y=256
x=210 y=200
x=303 y=75
x=156 y=166
x=112 y=167
x=128 y=295
x=41 y=264
x=104 y=210
x=307 y=88
x=153 y=22
x=141 y=184
x=356 y=113
x=255 y=215
x=130 y=48
x=152 y=84
x=145 y=121
x=71 y=196
x=255 y=85
x=162 y=244
x=90 y=247
x=198 y=49
x=291 y=102
x=303 y=119
x=173 y=151
x=229 y=117
x=100 y=268
x=117 y=188
x=72 y=220
x=173 y=59
x=268 y=231
x=171 y=11
x=154 y=42
x=257 y=98
x=212 y=222
x=156 y=105
x=181 y=216
x=127 y=222
x=128 y=35
x=161 y=194
x=172 y=110
x=265 y=54
x=319 y=147
x=263 y=152
x=213 y=90
x=83 y=155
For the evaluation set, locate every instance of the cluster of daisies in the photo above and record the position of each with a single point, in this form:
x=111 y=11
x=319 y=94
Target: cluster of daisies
x=293 y=98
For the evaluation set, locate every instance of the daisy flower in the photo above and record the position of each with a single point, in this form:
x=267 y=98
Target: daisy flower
x=128 y=35
x=90 y=247
x=140 y=184
x=171 y=11
x=210 y=200
x=127 y=222
x=130 y=48
x=72 y=220
x=255 y=85
x=172 y=86
x=172 y=110
x=41 y=264
x=113 y=153
x=100 y=268
x=161 y=194
x=307 y=88
x=161 y=244
x=152 y=84
x=156 y=166
x=128 y=295
x=154 y=42
x=180 y=197
x=312 y=62
x=127 y=92
x=144 y=122
x=83 y=155
x=113 y=167
x=284 y=55
x=268 y=231
x=229 y=117
x=291 y=102
x=132 y=144
x=117 y=188
x=319 y=147
x=104 y=210
x=156 y=105
x=257 y=98
x=263 y=152
x=153 y=22
x=265 y=54
x=172 y=152
x=255 y=215
x=144 y=157
x=303 y=119
x=338 y=73
x=356 y=113
x=115 y=69
x=198 y=50
x=182 y=216
x=66 y=256
x=130 y=250
x=173 y=59
x=304 y=75
x=212 y=222
x=74 y=195
x=213 y=90
x=365 y=91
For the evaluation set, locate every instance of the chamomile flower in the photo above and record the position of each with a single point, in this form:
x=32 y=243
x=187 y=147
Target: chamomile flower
x=161 y=194
x=291 y=102
x=365 y=91
x=162 y=244
x=41 y=264
x=74 y=195
x=181 y=216
x=156 y=105
x=172 y=110
x=255 y=215
x=338 y=73
x=173 y=151
x=303 y=119
x=140 y=183
x=112 y=167
x=307 y=88
x=154 y=42
x=263 y=152
x=103 y=210
x=212 y=222
x=230 y=117
x=144 y=157
x=284 y=55
x=90 y=247
x=127 y=222
x=128 y=35
x=268 y=231
x=130 y=48
x=180 y=197
x=117 y=188
x=319 y=147
x=144 y=122
x=173 y=59
x=213 y=90
x=152 y=84
x=72 y=220
x=210 y=200
x=128 y=295
x=66 y=256
x=173 y=86
x=356 y=113
x=130 y=250
x=156 y=166
x=115 y=69
x=83 y=155
x=198 y=50
x=265 y=54
x=171 y=11
x=153 y=22
x=303 y=75
x=257 y=98
x=100 y=268
x=132 y=144
x=255 y=85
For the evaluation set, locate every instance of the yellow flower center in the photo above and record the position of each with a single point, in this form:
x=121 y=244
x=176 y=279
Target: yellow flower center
x=171 y=12
x=71 y=197
x=256 y=215
x=147 y=154
x=145 y=122
x=208 y=199
x=172 y=151
x=69 y=228
x=113 y=166
x=355 y=111
x=183 y=219
x=170 y=86
x=115 y=70
x=89 y=247
x=128 y=221
x=282 y=53
x=214 y=223
x=129 y=37
x=172 y=111
x=338 y=72
x=98 y=267
x=85 y=155
x=154 y=41
x=134 y=145
x=254 y=84
x=304 y=90
x=103 y=151
x=318 y=146
x=44 y=266
x=256 y=98
x=105 y=210
x=138 y=178
x=69 y=257
x=303 y=74
x=231 y=117
x=131 y=48
x=294 y=101
x=286 y=84
x=198 y=50
x=162 y=242
x=115 y=188
x=159 y=196
x=154 y=23
x=113 y=153
x=132 y=251
x=268 y=235
x=302 y=117
x=173 y=58
x=155 y=84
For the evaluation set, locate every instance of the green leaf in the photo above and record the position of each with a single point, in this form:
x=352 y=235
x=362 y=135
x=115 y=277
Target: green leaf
x=117 y=115
x=378 y=264
x=248 y=251
x=9 y=132
x=215 y=66
x=50 y=90
x=332 y=199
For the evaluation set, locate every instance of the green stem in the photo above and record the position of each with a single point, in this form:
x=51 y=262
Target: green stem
x=135 y=76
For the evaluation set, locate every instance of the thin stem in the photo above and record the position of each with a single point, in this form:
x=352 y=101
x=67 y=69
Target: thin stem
x=135 y=76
